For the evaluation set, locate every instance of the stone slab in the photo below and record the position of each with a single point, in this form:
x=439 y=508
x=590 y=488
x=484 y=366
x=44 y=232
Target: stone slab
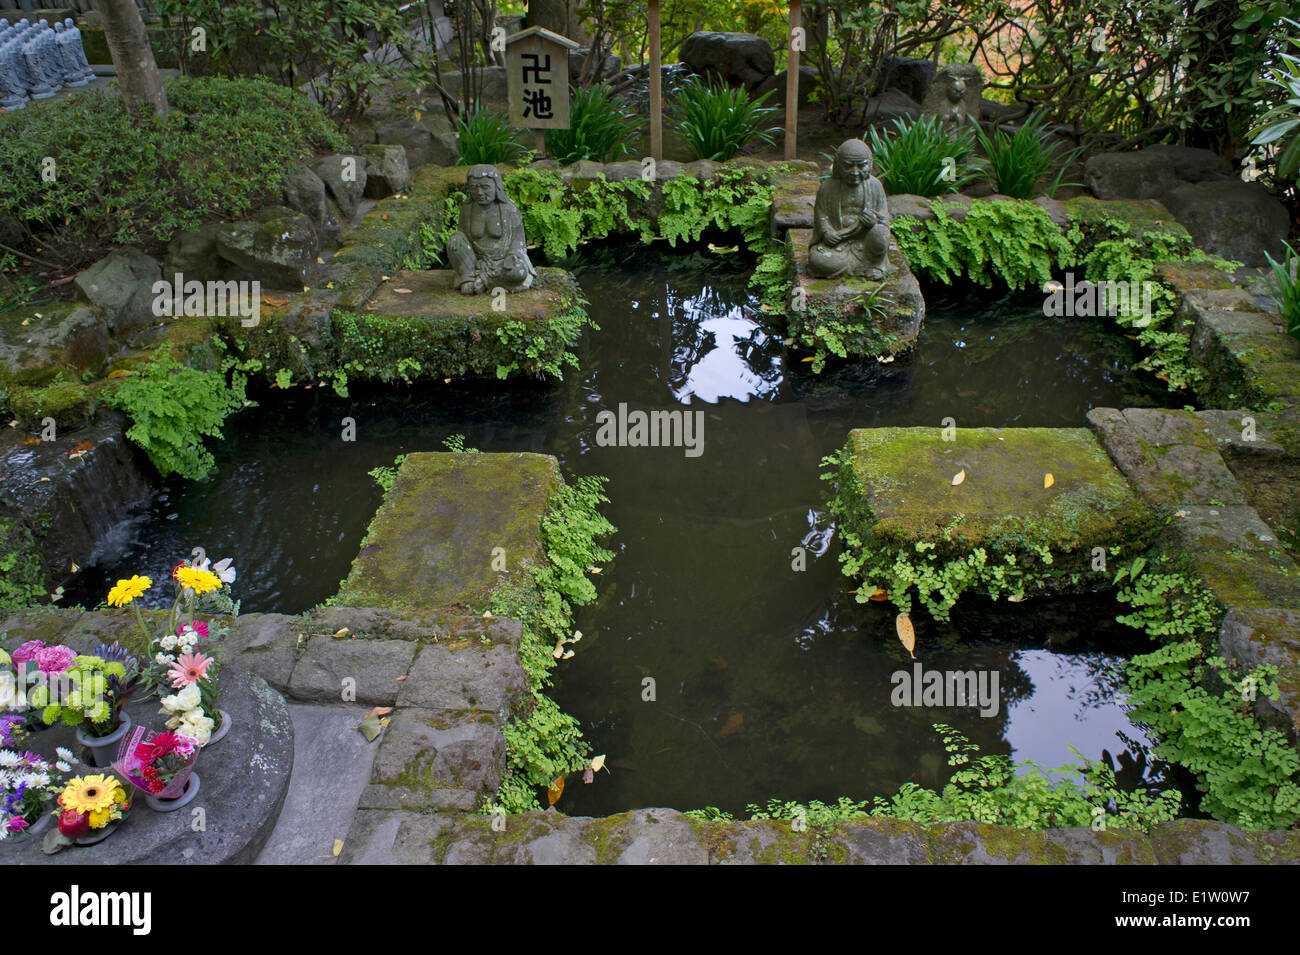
x=1171 y=457
x=1270 y=636
x=331 y=763
x=474 y=677
x=266 y=643
x=337 y=670
x=433 y=759
x=1239 y=434
x=430 y=297
x=1238 y=557
x=431 y=544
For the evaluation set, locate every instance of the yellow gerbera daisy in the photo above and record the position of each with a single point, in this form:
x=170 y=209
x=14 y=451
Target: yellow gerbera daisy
x=89 y=794
x=198 y=580
x=124 y=591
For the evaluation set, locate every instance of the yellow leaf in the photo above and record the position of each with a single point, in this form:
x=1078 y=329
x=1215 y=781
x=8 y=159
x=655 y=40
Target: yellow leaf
x=598 y=763
x=959 y=477
x=555 y=791
x=1016 y=599
x=416 y=114
x=810 y=358
x=877 y=595
x=340 y=634
x=906 y=633
x=1048 y=480
x=338 y=847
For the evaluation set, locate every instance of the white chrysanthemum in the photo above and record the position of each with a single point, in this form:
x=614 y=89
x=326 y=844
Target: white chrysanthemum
x=168 y=642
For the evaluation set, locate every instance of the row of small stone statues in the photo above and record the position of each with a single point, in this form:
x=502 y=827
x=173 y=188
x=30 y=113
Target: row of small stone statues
x=35 y=61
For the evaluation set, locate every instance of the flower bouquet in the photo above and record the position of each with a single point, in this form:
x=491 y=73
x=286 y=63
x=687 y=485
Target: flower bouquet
x=89 y=808
x=161 y=765
x=27 y=783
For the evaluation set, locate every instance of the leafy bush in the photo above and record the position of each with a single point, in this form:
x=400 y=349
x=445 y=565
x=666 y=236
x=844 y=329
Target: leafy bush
x=222 y=150
x=1284 y=283
x=1018 y=162
x=920 y=158
x=173 y=408
x=487 y=138
x=599 y=129
x=1281 y=125
x=718 y=121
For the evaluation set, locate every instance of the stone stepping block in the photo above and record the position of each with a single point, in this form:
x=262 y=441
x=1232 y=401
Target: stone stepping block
x=431 y=545
x=898 y=486
x=1253 y=636
x=335 y=670
x=1243 y=351
x=473 y=676
x=874 y=335
x=1171 y=457
x=1240 y=434
x=1237 y=556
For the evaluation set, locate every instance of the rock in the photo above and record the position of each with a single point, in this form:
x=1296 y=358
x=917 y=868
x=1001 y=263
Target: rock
x=891 y=104
x=304 y=192
x=195 y=255
x=445 y=149
x=603 y=71
x=345 y=180
x=993 y=111
x=427 y=761
x=1254 y=636
x=414 y=137
x=37 y=342
x=1192 y=165
x=121 y=284
x=332 y=671
x=1238 y=435
x=1245 y=356
x=472 y=676
x=1132 y=175
x=583 y=171
x=911 y=77
x=492 y=84
x=738 y=58
x=809 y=82
x=278 y=248
x=263 y=643
x=1237 y=220
x=386 y=171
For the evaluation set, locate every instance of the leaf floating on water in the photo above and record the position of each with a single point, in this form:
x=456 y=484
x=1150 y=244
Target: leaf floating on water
x=555 y=791
x=274 y=302
x=719 y=662
x=402 y=291
x=959 y=477
x=809 y=358
x=735 y=724
x=567 y=655
x=1015 y=598
x=1048 y=480
x=906 y=633
x=598 y=763
x=878 y=595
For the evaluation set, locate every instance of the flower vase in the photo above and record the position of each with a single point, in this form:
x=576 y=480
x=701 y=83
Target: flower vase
x=222 y=729
x=104 y=748
x=192 y=784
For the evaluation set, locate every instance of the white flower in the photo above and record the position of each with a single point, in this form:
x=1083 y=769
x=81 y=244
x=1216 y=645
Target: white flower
x=8 y=690
x=225 y=570
x=162 y=658
x=167 y=642
x=197 y=727
x=65 y=754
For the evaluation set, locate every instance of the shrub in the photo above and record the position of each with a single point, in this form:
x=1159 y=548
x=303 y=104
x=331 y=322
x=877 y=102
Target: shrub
x=223 y=149
x=1284 y=283
x=919 y=157
x=1019 y=161
x=487 y=138
x=599 y=129
x=718 y=121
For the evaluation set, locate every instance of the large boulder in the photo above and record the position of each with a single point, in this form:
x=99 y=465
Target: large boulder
x=742 y=59
x=1234 y=219
x=607 y=68
x=121 y=284
x=446 y=149
x=386 y=171
x=889 y=105
x=345 y=181
x=278 y=247
x=912 y=77
x=1135 y=175
x=195 y=255
x=304 y=192
x=1190 y=164
x=414 y=137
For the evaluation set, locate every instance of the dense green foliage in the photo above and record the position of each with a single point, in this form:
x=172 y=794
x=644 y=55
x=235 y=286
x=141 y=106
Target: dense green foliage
x=921 y=158
x=599 y=128
x=718 y=121
x=173 y=408
x=487 y=137
x=1284 y=282
x=222 y=150
x=1020 y=161
x=1166 y=601
x=22 y=578
x=1280 y=127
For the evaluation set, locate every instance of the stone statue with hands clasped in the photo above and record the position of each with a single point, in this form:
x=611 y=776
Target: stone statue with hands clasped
x=850 y=219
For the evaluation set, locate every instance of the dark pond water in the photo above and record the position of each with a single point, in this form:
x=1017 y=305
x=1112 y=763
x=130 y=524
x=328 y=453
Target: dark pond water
x=768 y=681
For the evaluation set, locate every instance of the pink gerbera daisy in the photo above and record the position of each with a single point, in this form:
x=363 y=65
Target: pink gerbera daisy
x=190 y=668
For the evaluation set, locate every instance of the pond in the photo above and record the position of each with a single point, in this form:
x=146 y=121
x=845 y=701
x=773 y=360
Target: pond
x=768 y=680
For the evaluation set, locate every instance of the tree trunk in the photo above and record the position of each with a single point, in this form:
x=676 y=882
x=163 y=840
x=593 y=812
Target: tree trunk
x=128 y=43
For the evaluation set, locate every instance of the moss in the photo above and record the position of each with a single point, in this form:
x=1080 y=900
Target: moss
x=22 y=572
x=1138 y=218
x=71 y=404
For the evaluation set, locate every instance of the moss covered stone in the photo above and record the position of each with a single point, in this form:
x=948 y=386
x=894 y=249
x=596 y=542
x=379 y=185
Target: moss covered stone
x=1141 y=219
x=435 y=540
x=69 y=403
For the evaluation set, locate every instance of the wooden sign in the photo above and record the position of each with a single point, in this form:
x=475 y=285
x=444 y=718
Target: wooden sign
x=537 y=78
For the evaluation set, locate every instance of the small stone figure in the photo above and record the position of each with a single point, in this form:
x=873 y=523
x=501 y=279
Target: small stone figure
x=850 y=219
x=489 y=250
x=954 y=95
x=73 y=54
x=37 y=55
x=13 y=76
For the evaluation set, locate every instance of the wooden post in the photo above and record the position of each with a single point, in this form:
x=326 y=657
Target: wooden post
x=656 y=87
x=792 y=84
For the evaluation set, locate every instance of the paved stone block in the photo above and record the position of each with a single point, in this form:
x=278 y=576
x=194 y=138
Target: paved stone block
x=373 y=666
x=481 y=676
x=437 y=759
x=1169 y=456
x=266 y=643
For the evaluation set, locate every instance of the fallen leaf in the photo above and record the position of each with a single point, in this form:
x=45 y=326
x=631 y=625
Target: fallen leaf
x=959 y=477
x=340 y=634
x=559 y=650
x=594 y=570
x=885 y=359
x=379 y=711
x=809 y=358
x=567 y=655
x=1017 y=598
x=719 y=662
x=402 y=291
x=75 y=568
x=735 y=724
x=1048 y=480
x=878 y=595
x=401 y=678
x=370 y=728
x=120 y=373
x=274 y=301
x=338 y=847
x=554 y=791
x=598 y=763
x=906 y=633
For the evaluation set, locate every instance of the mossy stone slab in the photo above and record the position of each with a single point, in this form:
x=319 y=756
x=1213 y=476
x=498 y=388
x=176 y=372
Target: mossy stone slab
x=904 y=477
x=432 y=543
x=428 y=295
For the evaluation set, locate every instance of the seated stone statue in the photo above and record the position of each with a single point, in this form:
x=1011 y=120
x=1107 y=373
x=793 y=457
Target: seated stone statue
x=489 y=250
x=850 y=219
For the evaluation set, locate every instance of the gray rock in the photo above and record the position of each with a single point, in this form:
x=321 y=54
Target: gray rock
x=445 y=149
x=386 y=171
x=1132 y=175
x=121 y=284
x=83 y=336
x=345 y=180
x=993 y=111
x=602 y=71
x=332 y=667
x=304 y=192
x=1230 y=430
x=428 y=759
x=1254 y=636
x=379 y=837
x=891 y=104
x=415 y=138
x=911 y=77
x=1192 y=165
x=195 y=255
x=263 y=643
x=279 y=247
x=809 y=82
x=738 y=58
x=1234 y=219
x=1168 y=456
x=481 y=676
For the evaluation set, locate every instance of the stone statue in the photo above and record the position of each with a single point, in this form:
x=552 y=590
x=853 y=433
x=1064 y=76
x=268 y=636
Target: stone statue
x=73 y=54
x=38 y=55
x=489 y=250
x=850 y=219
x=954 y=95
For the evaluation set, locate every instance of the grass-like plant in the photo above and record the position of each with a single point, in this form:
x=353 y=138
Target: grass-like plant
x=717 y=121
x=599 y=129
x=1019 y=161
x=487 y=138
x=1284 y=283
x=921 y=158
